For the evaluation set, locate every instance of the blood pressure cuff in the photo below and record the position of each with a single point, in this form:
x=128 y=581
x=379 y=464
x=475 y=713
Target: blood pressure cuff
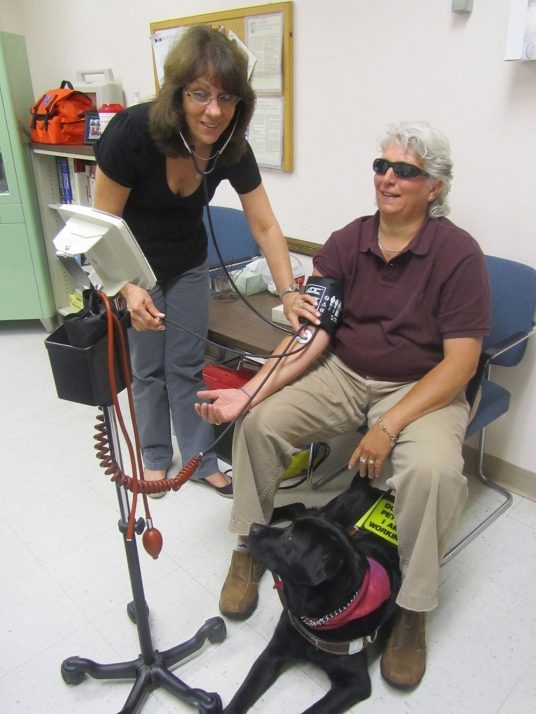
x=85 y=328
x=328 y=293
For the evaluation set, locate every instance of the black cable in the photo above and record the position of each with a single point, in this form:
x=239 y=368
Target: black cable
x=245 y=353
x=242 y=353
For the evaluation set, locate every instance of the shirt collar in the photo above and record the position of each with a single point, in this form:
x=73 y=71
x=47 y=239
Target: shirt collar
x=420 y=245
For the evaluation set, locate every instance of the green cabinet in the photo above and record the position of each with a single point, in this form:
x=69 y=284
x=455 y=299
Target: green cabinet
x=25 y=285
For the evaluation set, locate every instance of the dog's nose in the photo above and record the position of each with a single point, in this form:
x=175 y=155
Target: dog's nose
x=255 y=529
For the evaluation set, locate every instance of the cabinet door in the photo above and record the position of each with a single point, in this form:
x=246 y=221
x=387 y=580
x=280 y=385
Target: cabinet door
x=18 y=289
x=9 y=190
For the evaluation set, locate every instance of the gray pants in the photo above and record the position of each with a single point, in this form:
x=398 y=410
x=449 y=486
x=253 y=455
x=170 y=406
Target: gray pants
x=167 y=369
x=329 y=400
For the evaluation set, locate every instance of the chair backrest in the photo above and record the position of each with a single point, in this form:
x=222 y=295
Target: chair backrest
x=233 y=236
x=513 y=302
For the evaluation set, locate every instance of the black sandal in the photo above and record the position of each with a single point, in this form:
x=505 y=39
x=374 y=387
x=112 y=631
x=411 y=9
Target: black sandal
x=225 y=491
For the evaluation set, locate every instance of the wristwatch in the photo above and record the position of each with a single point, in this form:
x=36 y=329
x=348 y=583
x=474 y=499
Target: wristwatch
x=292 y=288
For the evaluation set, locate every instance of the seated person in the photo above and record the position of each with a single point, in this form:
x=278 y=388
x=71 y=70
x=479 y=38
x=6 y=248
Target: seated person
x=415 y=310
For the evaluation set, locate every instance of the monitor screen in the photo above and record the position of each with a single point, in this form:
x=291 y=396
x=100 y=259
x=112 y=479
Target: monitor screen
x=109 y=246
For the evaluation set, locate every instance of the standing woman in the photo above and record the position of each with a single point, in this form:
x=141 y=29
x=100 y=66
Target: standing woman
x=158 y=164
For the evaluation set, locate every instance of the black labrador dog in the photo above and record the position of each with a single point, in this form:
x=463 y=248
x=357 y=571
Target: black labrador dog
x=338 y=586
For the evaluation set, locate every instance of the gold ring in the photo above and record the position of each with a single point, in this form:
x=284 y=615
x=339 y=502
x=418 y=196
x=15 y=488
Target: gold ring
x=371 y=461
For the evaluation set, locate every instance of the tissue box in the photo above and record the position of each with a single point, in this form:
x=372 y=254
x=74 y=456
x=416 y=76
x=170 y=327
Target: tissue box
x=279 y=316
x=248 y=282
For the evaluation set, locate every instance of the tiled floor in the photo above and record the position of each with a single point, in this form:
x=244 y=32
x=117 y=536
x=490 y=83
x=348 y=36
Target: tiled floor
x=64 y=585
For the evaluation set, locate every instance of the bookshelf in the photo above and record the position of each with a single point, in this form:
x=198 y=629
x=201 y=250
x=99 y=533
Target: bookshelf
x=44 y=158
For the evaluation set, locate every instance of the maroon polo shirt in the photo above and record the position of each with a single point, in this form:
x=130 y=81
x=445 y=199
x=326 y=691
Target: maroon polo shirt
x=396 y=314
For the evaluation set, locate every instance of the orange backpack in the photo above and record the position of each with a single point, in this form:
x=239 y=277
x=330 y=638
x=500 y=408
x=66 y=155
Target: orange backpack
x=58 y=117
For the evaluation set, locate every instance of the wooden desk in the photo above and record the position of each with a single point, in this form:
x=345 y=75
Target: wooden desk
x=234 y=324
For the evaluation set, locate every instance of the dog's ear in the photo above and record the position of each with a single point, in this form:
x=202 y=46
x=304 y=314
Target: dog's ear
x=326 y=568
x=327 y=546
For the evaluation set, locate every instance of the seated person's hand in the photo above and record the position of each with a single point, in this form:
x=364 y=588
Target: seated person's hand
x=372 y=452
x=223 y=404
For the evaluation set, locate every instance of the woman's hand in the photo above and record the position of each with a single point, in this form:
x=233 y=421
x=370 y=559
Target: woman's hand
x=143 y=312
x=296 y=305
x=370 y=455
x=225 y=404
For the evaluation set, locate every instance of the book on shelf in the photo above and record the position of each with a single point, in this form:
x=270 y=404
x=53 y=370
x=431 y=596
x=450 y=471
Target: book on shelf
x=64 y=181
x=60 y=180
x=91 y=169
x=76 y=178
x=77 y=175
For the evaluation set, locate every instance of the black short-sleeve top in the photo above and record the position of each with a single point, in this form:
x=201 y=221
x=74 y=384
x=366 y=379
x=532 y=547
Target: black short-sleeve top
x=168 y=227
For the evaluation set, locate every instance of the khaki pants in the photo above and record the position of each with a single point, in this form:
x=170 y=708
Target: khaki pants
x=329 y=400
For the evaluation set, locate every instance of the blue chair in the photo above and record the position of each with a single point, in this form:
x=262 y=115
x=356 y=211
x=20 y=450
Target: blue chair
x=235 y=242
x=513 y=303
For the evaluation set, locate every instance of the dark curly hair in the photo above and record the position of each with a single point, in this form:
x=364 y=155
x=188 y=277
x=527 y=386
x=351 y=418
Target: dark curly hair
x=201 y=51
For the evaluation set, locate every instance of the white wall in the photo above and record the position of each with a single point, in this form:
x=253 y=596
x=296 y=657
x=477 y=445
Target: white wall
x=357 y=66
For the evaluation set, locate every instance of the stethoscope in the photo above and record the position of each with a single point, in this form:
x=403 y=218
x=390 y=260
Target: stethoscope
x=214 y=157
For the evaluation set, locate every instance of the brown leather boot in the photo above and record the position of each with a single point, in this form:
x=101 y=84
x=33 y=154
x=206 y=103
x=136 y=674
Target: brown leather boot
x=240 y=591
x=404 y=659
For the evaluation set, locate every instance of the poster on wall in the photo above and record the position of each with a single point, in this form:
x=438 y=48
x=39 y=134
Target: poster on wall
x=265 y=133
x=163 y=41
x=264 y=37
x=521 y=34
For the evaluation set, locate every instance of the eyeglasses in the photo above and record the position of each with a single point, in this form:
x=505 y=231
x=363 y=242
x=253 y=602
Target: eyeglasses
x=400 y=169
x=204 y=98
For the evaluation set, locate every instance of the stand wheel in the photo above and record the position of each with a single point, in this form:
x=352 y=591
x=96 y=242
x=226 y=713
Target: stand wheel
x=70 y=675
x=131 y=611
x=218 y=631
x=216 y=707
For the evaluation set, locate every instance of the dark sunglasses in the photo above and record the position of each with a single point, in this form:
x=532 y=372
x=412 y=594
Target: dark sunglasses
x=400 y=169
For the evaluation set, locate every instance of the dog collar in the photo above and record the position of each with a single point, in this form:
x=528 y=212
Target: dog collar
x=340 y=648
x=375 y=590
x=335 y=648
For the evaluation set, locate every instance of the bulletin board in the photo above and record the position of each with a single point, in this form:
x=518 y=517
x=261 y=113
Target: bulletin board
x=266 y=34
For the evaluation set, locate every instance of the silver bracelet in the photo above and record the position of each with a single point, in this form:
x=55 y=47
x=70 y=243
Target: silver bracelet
x=392 y=437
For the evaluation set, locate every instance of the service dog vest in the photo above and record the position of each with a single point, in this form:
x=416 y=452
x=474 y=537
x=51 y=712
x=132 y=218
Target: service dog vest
x=380 y=519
